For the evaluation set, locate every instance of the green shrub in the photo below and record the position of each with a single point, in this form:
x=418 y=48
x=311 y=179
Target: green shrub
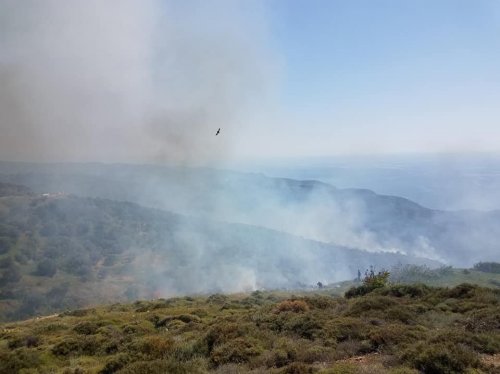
x=371 y=282
x=46 y=268
x=237 y=351
x=78 y=312
x=441 y=358
x=371 y=303
x=316 y=353
x=165 y=366
x=400 y=313
x=222 y=332
x=66 y=347
x=391 y=335
x=341 y=368
x=348 y=348
x=409 y=290
x=114 y=364
x=305 y=326
x=29 y=341
x=87 y=345
x=320 y=302
x=77 y=370
x=480 y=342
x=186 y=351
x=297 y=368
x=86 y=328
x=484 y=320
x=296 y=306
x=412 y=273
x=462 y=291
x=13 y=362
x=276 y=358
x=358 y=291
x=186 y=318
x=348 y=328
x=488 y=267
x=217 y=299
x=376 y=280
x=155 y=347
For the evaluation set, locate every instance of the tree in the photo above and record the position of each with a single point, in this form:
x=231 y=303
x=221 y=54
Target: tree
x=46 y=268
x=10 y=275
x=378 y=280
x=488 y=267
x=371 y=282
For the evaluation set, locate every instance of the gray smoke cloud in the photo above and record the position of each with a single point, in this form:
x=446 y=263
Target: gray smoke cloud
x=128 y=80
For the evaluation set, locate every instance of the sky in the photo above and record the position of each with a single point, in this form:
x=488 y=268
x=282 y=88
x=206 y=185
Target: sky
x=389 y=76
x=151 y=81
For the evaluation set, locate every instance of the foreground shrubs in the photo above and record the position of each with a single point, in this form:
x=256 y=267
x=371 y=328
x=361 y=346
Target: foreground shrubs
x=295 y=306
x=392 y=329
x=441 y=358
x=406 y=290
x=15 y=361
x=234 y=351
x=197 y=366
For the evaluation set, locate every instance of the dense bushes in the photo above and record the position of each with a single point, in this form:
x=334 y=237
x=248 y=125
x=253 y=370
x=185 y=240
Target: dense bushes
x=238 y=350
x=46 y=268
x=15 y=361
x=295 y=306
x=371 y=282
x=86 y=328
x=441 y=358
x=393 y=329
x=488 y=267
x=407 y=290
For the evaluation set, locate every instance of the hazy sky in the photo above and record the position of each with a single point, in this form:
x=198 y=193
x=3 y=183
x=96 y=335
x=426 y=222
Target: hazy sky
x=151 y=81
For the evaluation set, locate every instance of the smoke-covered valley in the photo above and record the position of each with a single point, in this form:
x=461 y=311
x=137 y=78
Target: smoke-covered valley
x=62 y=251
x=314 y=210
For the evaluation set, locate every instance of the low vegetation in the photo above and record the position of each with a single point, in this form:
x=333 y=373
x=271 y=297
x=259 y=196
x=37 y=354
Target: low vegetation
x=394 y=328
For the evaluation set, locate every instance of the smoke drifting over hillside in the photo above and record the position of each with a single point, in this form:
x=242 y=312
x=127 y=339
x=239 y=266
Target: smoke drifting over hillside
x=127 y=80
x=151 y=81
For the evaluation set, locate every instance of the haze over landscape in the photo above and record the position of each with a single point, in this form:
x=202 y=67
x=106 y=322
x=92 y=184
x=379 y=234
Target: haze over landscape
x=357 y=138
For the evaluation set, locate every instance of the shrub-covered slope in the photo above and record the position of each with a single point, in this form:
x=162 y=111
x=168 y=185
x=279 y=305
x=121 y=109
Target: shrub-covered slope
x=396 y=329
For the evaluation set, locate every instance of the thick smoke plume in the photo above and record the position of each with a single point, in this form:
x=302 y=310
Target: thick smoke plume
x=127 y=80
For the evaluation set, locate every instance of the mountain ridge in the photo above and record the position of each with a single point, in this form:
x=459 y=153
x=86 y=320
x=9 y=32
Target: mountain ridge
x=350 y=217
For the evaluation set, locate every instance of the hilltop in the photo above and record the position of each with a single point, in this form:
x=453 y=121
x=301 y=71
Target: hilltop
x=393 y=329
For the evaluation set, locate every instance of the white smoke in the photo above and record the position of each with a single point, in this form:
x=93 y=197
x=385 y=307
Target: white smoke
x=128 y=80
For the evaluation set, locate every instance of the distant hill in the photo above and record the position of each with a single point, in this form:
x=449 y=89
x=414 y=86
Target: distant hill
x=60 y=251
x=311 y=209
x=9 y=189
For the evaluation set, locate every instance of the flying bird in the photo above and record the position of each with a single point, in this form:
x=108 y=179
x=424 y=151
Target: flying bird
x=218 y=131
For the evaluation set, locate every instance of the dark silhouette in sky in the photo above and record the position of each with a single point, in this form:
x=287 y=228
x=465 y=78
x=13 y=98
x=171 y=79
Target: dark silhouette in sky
x=218 y=131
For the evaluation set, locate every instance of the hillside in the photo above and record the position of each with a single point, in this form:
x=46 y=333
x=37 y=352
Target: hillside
x=311 y=209
x=444 y=276
x=397 y=329
x=60 y=251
